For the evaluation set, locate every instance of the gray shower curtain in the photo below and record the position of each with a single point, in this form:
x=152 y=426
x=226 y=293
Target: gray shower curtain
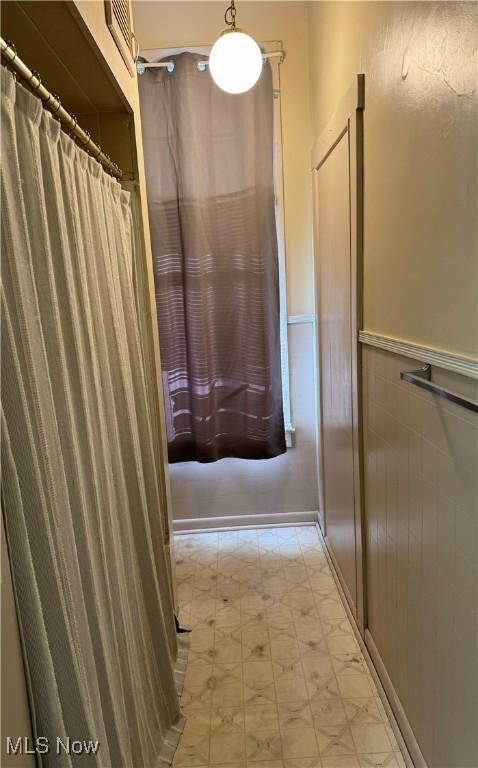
x=209 y=169
x=81 y=492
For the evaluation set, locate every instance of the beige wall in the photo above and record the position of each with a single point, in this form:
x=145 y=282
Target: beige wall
x=421 y=246
x=420 y=284
x=288 y=483
x=173 y=24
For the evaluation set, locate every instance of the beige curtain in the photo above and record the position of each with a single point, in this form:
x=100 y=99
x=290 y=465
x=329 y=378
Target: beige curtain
x=80 y=489
x=143 y=308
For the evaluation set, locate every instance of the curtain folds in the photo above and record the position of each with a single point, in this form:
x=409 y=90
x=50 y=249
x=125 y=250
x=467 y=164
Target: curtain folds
x=209 y=169
x=81 y=493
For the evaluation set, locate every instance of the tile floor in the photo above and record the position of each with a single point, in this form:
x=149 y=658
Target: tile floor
x=275 y=677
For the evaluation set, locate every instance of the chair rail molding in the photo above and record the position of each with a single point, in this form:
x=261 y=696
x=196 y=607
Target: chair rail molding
x=449 y=361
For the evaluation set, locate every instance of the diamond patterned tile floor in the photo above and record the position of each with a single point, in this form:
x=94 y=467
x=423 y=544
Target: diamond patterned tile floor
x=275 y=677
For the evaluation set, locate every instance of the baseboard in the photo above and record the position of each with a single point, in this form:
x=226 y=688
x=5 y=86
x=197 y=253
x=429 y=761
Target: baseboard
x=235 y=522
x=400 y=725
x=336 y=571
x=404 y=725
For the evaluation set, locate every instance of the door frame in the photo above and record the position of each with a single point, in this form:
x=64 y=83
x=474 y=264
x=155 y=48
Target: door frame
x=347 y=120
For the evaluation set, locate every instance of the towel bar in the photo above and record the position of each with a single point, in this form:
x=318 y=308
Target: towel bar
x=421 y=378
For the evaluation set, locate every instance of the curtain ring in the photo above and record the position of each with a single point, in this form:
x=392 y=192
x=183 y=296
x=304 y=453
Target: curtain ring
x=98 y=153
x=72 y=130
x=38 y=77
x=57 y=98
x=11 y=45
x=53 y=97
x=86 y=143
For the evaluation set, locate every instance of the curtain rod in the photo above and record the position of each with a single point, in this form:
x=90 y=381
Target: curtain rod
x=201 y=65
x=53 y=103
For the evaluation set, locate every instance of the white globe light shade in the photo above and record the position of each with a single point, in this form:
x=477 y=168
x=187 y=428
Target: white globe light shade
x=235 y=62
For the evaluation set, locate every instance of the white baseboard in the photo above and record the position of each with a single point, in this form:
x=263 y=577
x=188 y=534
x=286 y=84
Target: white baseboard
x=236 y=522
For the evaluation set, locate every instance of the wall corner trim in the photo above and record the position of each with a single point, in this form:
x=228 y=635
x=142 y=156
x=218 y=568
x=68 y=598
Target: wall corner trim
x=449 y=361
x=353 y=101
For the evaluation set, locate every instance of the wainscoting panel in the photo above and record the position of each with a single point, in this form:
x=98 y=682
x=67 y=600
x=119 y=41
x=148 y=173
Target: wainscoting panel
x=421 y=491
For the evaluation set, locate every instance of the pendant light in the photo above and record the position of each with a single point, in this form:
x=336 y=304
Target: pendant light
x=235 y=61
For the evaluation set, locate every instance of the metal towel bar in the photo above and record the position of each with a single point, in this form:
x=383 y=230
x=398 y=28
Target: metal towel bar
x=421 y=378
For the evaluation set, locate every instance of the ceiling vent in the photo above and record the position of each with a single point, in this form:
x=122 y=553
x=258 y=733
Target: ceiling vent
x=118 y=19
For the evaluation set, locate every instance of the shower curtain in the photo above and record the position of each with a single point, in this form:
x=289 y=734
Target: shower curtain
x=209 y=171
x=80 y=486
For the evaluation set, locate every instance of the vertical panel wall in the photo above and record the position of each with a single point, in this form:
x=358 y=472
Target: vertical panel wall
x=421 y=492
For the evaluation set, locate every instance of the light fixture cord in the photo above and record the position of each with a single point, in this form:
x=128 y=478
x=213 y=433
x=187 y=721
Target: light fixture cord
x=230 y=15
